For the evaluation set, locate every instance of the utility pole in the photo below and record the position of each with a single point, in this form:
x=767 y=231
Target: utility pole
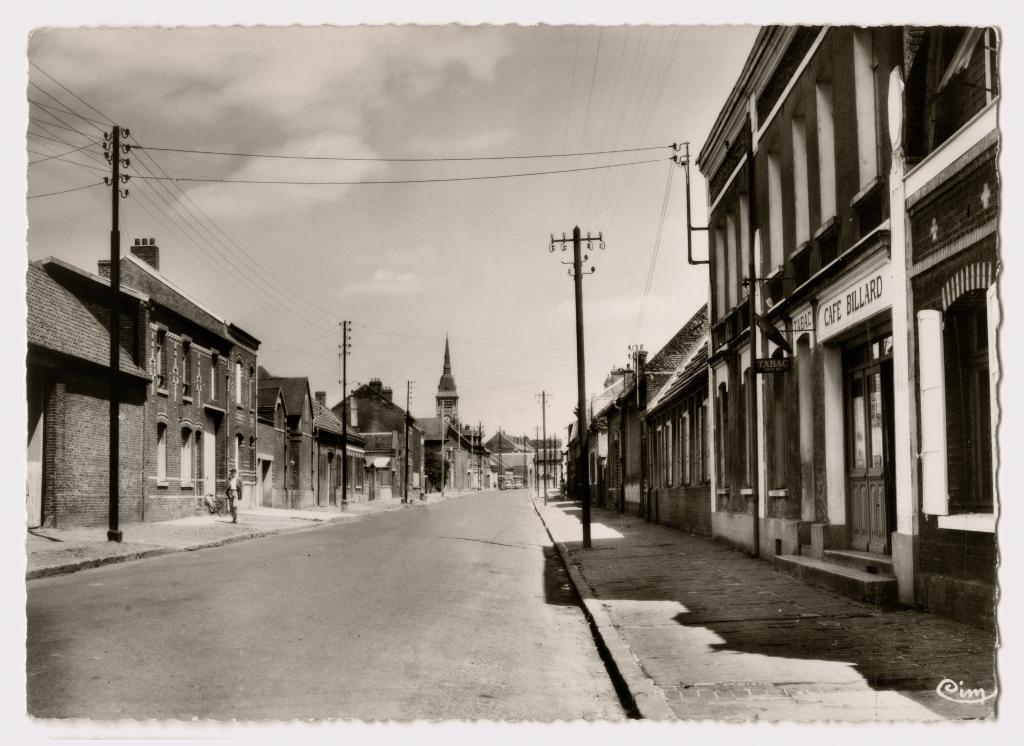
x=577 y=273
x=501 y=469
x=345 y=347
x=112 y=149
x=480 y=453
x=544 y=424
x=405 y=468
x=536 y=471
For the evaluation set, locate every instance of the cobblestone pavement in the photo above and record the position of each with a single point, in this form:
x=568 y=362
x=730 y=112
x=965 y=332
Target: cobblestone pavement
x=58 y=550
x=723 y=636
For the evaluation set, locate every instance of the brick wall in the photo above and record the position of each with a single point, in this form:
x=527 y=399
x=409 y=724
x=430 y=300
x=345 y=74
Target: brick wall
x=685 y=508
x=76 y=447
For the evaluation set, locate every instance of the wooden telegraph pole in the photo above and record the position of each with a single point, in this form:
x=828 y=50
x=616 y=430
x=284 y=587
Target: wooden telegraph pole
x=582 y=479
x=112 y=149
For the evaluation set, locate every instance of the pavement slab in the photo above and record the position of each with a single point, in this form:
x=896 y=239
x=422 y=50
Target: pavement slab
x=721 y=636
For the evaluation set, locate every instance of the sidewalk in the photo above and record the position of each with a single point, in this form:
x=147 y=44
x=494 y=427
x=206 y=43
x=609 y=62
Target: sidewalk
x=699 y=631
x=54 y=551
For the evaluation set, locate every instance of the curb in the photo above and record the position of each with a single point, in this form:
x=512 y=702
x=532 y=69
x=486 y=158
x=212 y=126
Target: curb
x=88 y=564
x=647 y=699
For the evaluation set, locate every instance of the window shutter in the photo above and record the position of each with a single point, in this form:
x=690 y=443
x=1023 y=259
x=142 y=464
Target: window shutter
x=934 y=480
x=994 y=319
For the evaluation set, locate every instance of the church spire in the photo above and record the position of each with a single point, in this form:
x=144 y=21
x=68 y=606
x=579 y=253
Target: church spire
x=447 y=397
x=447 y=357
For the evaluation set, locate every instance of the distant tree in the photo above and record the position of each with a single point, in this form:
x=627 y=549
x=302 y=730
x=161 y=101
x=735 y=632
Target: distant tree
x=432 y=468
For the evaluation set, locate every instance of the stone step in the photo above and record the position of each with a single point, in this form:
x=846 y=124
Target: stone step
x=869 y=562
x=848 y=581
x=805 y=550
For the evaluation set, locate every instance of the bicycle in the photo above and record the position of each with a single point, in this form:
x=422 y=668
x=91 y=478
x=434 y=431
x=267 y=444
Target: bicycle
x=216 y=504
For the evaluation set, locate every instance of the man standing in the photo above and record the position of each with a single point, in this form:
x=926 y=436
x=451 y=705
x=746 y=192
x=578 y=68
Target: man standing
x=234 y=493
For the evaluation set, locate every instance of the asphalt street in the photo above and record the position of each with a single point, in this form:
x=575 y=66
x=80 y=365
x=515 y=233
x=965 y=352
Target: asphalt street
x=459 y=610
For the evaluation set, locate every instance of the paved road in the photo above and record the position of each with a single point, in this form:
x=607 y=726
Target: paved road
x=459 y=610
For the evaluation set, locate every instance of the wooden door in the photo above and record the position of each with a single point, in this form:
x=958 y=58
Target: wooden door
x=869 y=448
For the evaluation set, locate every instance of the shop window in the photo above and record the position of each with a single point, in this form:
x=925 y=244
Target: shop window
x=968 y=404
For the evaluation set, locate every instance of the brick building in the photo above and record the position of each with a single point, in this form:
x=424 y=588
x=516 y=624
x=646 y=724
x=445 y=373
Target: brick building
x=200 y=408
x=868 y=206
x=271 y=444
x=374 y=410
x=68 y=395
x=676 y=422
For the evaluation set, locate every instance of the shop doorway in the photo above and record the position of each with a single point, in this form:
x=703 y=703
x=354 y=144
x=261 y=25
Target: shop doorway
x=871 y=508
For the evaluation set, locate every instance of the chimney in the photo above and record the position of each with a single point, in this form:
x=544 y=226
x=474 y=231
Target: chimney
x=376 y=386
x=103 y=268
x=321 y=398
x=147 y=250
x=386 y=393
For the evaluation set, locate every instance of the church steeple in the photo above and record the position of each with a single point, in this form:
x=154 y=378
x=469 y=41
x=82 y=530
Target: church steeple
x=447 y=396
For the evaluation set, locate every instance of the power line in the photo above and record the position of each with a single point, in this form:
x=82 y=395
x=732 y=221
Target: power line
x=57 y=155
x=65 y=191
x=395 y=159
x=398 y=181
x=654 y=256
x=108 y=119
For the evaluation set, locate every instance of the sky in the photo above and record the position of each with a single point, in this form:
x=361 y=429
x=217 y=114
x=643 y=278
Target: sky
x=406 y=264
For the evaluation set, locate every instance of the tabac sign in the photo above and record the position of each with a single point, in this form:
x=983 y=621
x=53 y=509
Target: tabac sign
x=855 y=300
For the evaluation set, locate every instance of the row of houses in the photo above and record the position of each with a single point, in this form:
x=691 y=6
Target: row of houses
x=842 y=421
x=195 y=404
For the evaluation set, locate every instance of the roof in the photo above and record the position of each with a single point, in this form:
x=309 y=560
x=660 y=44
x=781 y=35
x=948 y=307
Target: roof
x=693 y=368
x=600 y=402
x=662 y=366
x=169 y=295
x=510 y=443
x=63 y=321
x=266 y=401
x=379 y=441
x=325 y=419
x=292 y=389
x=447 y=382
x=431 y=427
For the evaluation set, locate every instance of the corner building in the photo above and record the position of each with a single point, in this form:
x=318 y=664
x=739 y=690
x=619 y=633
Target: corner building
x=818 y=170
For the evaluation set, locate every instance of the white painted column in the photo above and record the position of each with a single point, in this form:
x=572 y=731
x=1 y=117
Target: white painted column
x=761 y=476
x=835 y=434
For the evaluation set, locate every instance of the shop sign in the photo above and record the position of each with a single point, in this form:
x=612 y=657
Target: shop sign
x=803 y=322
x=765 y=365
x=857 y=301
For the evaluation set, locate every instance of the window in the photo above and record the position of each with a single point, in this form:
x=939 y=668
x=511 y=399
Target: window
x=161 y=453
x=721 y=272
x=864 y=100
x=668 y=454
x=684 y=449
x=238 y=383
x=826 y=150
x=703 y=439
x=744 y=264
x=161 y=359
x=968 y=405
x=774 y=213
x=746 y=427
x=237 y=452
x=777 y=443
x=252 y=387
x=801 y=198
x=214 y=378
x=187 y=446
x=723 y=432
x=186 y=369
x=735 y=273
